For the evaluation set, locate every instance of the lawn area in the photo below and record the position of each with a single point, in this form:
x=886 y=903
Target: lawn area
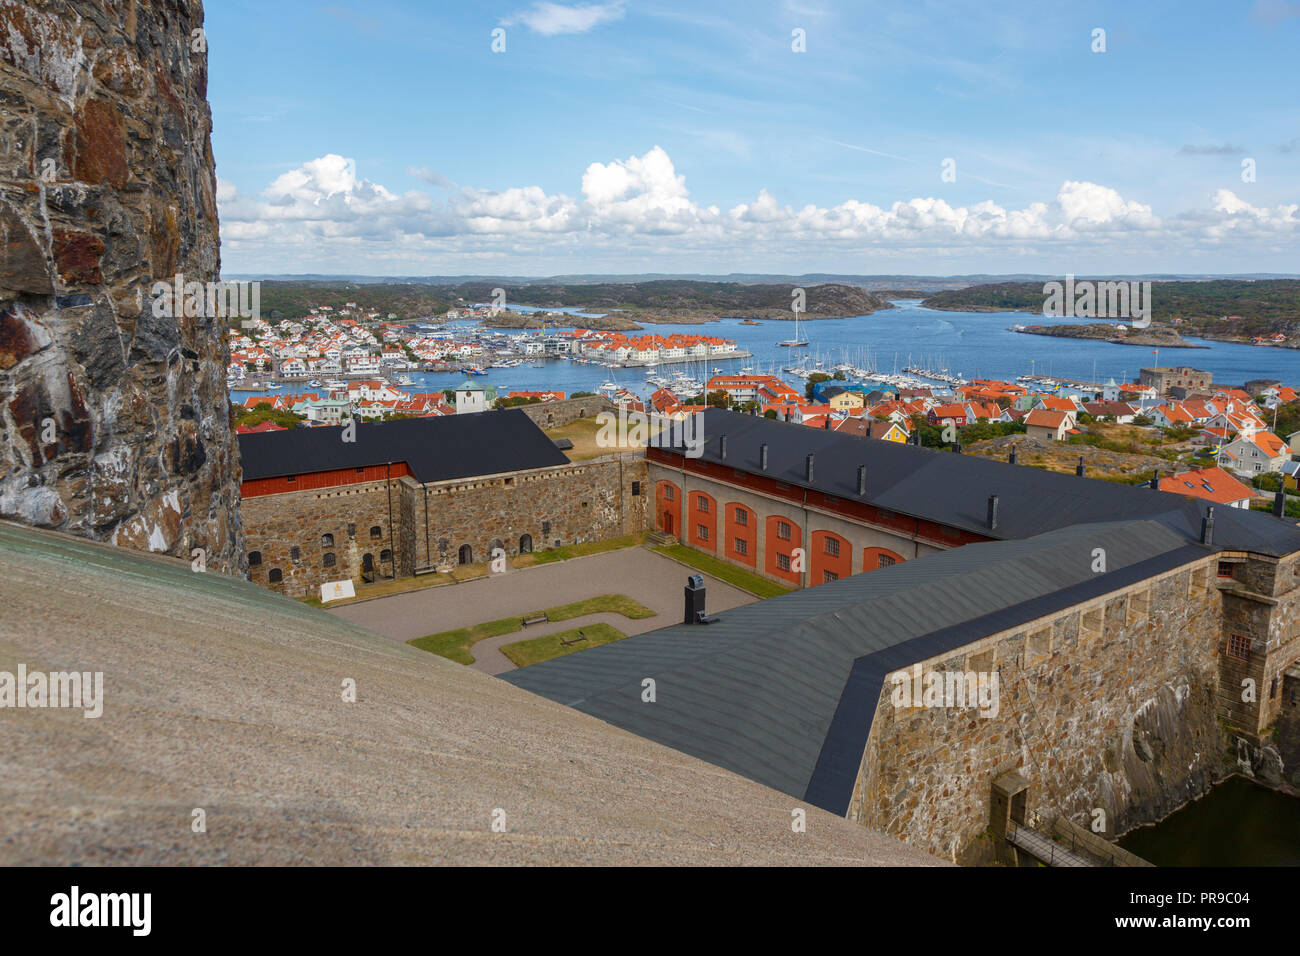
x=538 y=649
x=745 y=580
x=583 y=435
x=577 y=550
x=455 y=644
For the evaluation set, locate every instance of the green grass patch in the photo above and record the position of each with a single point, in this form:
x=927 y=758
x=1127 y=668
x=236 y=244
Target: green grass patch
x=606 y=603
x=538 y=649
x=591 y=547
x=745 y=580
x=455 y=644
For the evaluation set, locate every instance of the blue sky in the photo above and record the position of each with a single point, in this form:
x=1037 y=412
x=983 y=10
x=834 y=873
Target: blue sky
x=388 y=138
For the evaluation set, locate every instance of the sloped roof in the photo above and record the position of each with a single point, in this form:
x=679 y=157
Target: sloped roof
x=436 y=449
x=783 y=691
x=221 y=694
x=954 y=489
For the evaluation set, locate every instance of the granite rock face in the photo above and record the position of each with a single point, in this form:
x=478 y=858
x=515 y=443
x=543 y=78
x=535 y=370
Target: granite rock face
x=114 y=422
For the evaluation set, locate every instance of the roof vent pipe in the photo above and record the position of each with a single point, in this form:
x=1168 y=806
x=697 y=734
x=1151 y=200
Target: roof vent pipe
x=1207 y=528
x=762 y=457
x=993 y=512
x=956 y=448
x=1012 y=458
x=862 y=480
x=722 y=447
x=1155 y=482
x=1279 y=499
x=1078 y=469
x=808 y=469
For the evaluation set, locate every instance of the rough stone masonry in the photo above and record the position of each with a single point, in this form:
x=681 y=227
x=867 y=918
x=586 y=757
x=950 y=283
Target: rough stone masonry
x=114 y=423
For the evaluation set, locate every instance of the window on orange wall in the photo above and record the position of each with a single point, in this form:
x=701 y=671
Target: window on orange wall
x=783 y=562
x=703 y=503
x=743 y=518
x=783 y=530
x=832 y=547
x=884 y=561
x=702 y=531
x=1239 y=647
x=668 y=492
x=742 y=546
x=829 y=576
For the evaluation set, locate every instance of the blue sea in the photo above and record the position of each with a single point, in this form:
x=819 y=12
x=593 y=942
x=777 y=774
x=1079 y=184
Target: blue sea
x=969 y=344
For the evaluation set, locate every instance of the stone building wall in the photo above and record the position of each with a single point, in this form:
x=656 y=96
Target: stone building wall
x=114 y=424
x=556 y=414
x=570 y=504
x=1110 y=704
x=565 y=504
x=276 y=524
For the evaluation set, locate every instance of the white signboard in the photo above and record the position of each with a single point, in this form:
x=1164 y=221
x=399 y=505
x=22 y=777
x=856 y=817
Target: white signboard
x=334 y=590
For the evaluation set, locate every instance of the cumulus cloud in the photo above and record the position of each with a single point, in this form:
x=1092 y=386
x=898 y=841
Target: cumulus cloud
x=641 y=205
x=550 y=19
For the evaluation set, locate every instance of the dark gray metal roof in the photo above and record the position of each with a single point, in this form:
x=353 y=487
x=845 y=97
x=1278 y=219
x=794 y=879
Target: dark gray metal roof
x=758 y=691
x=436 y=449
x=954 y=489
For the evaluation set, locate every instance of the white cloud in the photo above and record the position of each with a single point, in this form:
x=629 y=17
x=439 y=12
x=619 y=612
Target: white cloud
x=550 y=19
x=639 y=209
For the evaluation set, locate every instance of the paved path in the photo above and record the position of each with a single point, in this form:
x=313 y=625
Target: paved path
x=641 y=574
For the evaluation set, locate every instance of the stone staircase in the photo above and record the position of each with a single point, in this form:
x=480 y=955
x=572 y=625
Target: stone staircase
x=659 y=539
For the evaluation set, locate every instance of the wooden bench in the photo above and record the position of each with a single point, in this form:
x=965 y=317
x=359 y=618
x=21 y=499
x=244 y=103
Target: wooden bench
x=580 y=637
x=537 y=619
x=427 y=569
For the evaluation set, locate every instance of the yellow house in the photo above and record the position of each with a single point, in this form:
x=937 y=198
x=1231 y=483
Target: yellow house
x=847 y=402
x=894 y=433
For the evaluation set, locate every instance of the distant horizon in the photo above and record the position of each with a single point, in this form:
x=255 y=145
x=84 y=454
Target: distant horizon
x=630 y=277
x=555 y=137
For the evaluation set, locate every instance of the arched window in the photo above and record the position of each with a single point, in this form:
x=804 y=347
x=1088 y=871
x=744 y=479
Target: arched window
x=376 y=532
x=465 y=555
x=525 y=544
x=367 y=562
x=327 y=541
x=329 y=560
x=385 y=555
x=254 y=558
x=276 y=576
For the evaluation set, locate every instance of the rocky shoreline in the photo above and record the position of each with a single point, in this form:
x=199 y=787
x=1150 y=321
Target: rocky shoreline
x=1153 y=337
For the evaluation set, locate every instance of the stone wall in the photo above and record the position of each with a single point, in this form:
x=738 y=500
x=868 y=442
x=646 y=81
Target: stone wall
x=556 y=414
x=564 y=504
x=1109 y=705
x=348 y=515
x=114 y=424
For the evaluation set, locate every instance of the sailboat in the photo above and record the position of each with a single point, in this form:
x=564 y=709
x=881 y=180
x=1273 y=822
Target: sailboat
x=798 y=342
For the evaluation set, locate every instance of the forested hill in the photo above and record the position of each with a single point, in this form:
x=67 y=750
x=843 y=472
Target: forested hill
x=660 y=300
x=1222 y=308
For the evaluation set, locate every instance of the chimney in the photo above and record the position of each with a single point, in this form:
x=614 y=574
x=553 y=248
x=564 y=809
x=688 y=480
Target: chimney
x=1078 y=469
x=1012 y=458
x=808 y=469
x=862 y=480
x=1207 y=527
x=1155 y=482
x=1279 y=499
x=826 y=422
x=762 y=457
x=993 y=512
x=694 y=591
x=722 y=447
